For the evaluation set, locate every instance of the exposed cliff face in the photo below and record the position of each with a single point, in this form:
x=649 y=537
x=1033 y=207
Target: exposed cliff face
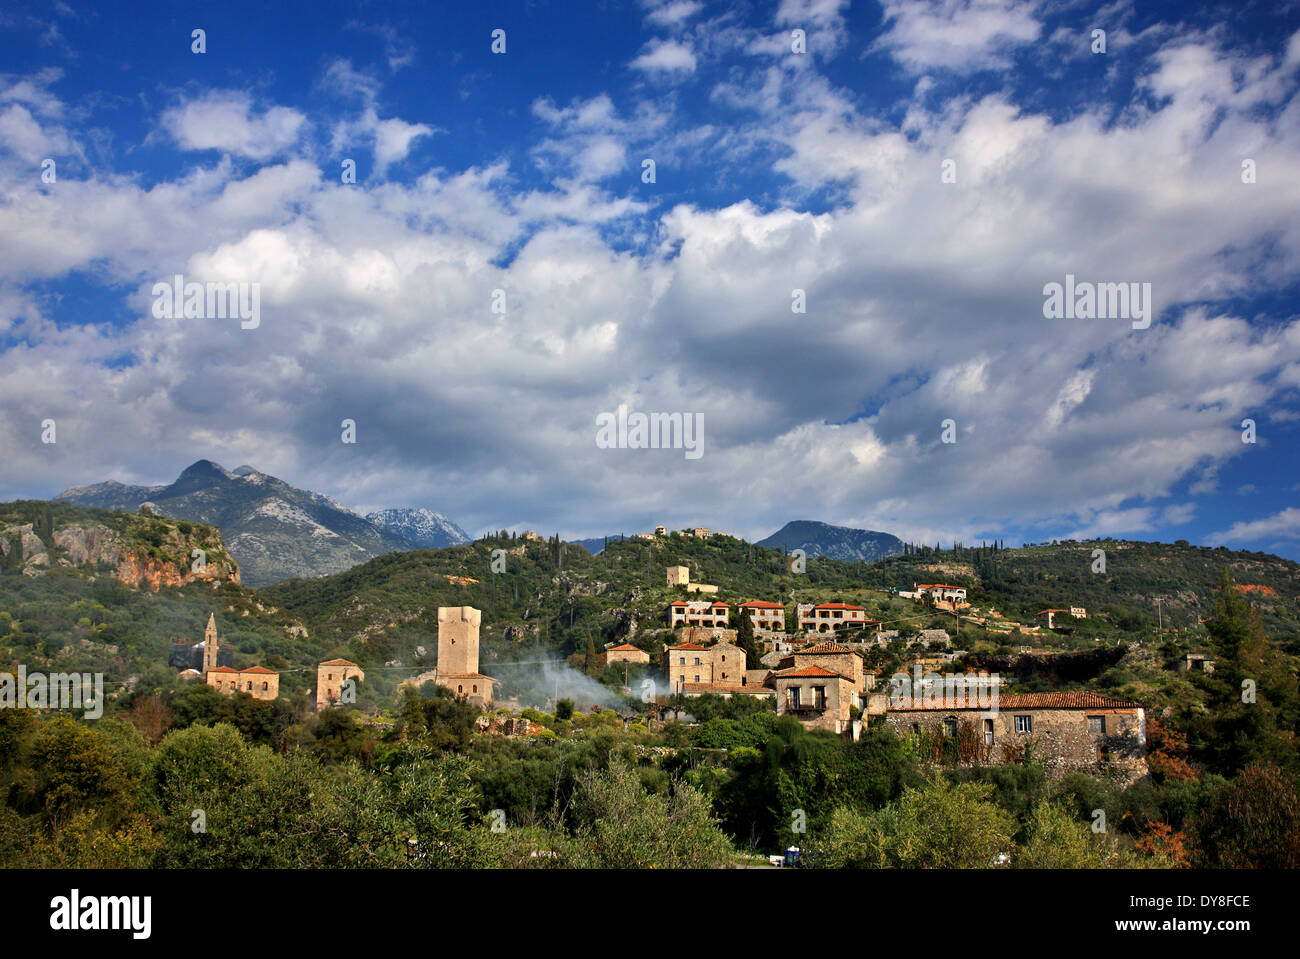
x=144 y=553
x=88 y=544
x=137 y=568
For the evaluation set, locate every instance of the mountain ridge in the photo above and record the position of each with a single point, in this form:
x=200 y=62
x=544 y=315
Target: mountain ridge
x=274 y=530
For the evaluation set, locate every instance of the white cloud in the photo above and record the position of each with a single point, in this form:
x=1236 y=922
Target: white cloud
x=957 y=35
x=665 y=56
x=924 y=302
x=226 y=121
x=1282 y=525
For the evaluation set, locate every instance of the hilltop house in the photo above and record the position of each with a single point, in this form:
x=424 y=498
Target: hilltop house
x=681 y=576
x=765 y=615
x=829 y=617
x=1046 y=617
x=942 y=593
x=698 y=613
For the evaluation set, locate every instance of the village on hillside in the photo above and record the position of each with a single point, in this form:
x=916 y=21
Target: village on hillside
x=810 y=661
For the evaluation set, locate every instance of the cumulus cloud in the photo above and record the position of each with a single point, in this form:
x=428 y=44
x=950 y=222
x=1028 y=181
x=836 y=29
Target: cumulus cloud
x=924 y=304
x=665 y=56
x=957 y=35
x=227 y=121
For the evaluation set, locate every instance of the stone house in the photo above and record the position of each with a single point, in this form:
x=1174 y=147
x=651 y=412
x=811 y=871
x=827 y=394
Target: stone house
x=835 y=657
x=819 y=698
x=330 y=677
x=765 y=616
x=1067 y=731
x=258 y=681
x=624 y=653
x=698 y=613
x=692 y=665
x=829 y=617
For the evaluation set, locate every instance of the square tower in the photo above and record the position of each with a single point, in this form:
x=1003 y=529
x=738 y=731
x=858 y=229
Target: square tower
x=458 y=640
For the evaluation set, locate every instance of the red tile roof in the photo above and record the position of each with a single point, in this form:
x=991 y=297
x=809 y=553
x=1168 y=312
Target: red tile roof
x=222 y=669
x=688 y=646
x=337 y=662
x=840 y=606
x=625 y=648
x=258 y=669
x=822 y=648
x=807 y=672
x=762 y=604
x=1070 y=700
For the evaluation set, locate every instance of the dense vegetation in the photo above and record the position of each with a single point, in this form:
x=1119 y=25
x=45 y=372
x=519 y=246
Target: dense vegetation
x=415 y=781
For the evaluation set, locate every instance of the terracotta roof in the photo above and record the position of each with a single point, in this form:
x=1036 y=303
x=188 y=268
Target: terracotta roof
x=762 y=604
x=678 y=602
x=688 y=646
x=807 y=672
x=337 y=662
x=468 y=676
x=625 y=648
x=1041 y=611
x=1072 y=700
x=821 y=648
x=839 y=606
x=222 y=669
x=257 y=669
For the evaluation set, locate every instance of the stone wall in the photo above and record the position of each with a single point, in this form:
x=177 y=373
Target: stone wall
x=1064 y=740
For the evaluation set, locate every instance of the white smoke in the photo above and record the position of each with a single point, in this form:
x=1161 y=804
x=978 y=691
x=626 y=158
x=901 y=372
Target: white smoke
x=542 y=684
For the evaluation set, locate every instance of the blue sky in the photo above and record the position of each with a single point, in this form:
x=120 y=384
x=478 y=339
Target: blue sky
x=776 y=170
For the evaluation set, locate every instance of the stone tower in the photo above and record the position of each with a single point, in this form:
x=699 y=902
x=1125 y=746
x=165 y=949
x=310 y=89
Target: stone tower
x=458 y=640
x=210 y=644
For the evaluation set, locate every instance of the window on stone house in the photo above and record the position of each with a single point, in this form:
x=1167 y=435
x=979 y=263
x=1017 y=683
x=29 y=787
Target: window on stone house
x=460 y=689
x=697 y=660
x=950 y=726
x=475 y=687
x=988 y=732
x=1024 y=724
x=250 y=685
x=1097 y=724
x=916 y=728
x=266 y=687
x=697 y=677
x=683 y=662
